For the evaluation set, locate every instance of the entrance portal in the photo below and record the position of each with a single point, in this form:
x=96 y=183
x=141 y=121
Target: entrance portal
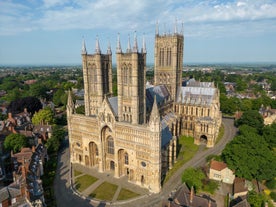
x=112 y=165
x=203 y=139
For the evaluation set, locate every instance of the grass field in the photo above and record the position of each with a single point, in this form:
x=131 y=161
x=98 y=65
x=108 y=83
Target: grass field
x=126 y=194
x=76 y=173
x=187 y=150
x=105 y=191
x=84 y=181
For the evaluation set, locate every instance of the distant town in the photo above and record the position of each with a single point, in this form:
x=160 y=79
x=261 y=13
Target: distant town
x=34 y=103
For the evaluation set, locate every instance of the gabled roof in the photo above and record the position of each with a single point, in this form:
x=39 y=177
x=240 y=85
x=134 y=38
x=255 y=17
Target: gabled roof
x=165 y=123
x=9 y=193
x=114 y=104
x=161 y=92
x=216 y=165
x=184 y=197
x=196 y=95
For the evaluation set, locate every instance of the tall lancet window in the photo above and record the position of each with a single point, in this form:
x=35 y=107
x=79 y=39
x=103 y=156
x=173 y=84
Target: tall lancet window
x=94 y=77
x=110 y=145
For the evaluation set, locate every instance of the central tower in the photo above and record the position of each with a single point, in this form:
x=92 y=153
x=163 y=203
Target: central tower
x=168 y=60
x=131 y=73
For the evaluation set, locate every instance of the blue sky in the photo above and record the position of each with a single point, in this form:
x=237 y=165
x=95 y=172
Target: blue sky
x=51 y=31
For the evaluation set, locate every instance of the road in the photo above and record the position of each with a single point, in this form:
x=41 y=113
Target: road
x=66 y=197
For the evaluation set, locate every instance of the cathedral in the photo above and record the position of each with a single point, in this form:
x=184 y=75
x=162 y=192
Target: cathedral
x=135 y=133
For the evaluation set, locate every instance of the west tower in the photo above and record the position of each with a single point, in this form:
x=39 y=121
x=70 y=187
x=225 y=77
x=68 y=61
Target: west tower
x=131 y=73
x=97 y=78
x=168 y=60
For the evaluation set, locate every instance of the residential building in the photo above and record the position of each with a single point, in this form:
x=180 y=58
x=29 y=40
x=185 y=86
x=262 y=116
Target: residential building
x=220 y=172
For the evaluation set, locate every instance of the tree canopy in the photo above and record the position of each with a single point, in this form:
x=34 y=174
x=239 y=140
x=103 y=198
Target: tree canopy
x=250 y=157
x=251 y=118
x=32 y=104
x=44 y=116
x=15 y=142
x=56 y=139
x=193 y=177
x=269 y=134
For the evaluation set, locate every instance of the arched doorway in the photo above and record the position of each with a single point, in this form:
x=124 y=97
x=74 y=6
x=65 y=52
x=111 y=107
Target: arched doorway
x=86 y=160
x=93 y=153
x=112 y=165
x=122 y=161
x=203 y=139
x=107 y=149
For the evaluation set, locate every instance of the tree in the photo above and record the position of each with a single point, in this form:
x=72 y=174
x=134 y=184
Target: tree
x=273 y=85
x=269 y=134
x=80 y=110
x=251 y=118
x=255 y=200
x=57 y=97
x=53 y=143
x=15 y=142
x=38 y=90
x=227 y=105
x=193 y=177
x=32 y=105
x=44 y=116
x=250 y=157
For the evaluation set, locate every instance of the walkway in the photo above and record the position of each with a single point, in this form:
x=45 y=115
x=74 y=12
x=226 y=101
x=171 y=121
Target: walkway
x=67 y=197
x=121 y=182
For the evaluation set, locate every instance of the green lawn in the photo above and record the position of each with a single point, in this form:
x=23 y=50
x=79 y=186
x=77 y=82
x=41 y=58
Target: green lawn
x=105 y=191
x=76 y=173
x=126 y=194
x=221 y=133
x=84 y=181
x=187 y=150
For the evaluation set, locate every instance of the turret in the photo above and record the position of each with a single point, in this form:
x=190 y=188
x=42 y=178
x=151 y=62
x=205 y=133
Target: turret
x=109 y=52
x=70 y=104
x=128 y=50
x=83 y=50
x=135 y=44
x=154 y=121
x=144 y=49
x=97 y=48
x=118 y=48
x=157 y=29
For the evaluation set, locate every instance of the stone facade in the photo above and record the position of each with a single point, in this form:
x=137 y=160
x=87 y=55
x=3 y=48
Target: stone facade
x=134 y=134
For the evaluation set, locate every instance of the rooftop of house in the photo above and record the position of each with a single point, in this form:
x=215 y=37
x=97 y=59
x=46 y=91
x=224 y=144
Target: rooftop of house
x=24 y=155
x=216 y=165
x=185 y=197
x=240 y=185
x=9 y=193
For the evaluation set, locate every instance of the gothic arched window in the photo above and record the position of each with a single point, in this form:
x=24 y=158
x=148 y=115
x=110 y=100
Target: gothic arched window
x=126 y=158
x=110 y=145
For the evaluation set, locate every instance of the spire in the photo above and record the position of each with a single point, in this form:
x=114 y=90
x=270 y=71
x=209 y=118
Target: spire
x=192 y=194
x=175 y=26
x=97 y=49
x=135 y=45
x=118 y=49
x=157 y=29
x=182 y=28
x=165 y=32
x=154 y=116
x=144 y=49
x=128 y=45
x=109 y=52
x=70 y=103
x=83 y=50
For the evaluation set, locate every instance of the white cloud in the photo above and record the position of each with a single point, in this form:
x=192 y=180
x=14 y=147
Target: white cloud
x=200 y=17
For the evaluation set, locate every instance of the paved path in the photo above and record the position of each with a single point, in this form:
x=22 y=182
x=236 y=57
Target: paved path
x=66 y=197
